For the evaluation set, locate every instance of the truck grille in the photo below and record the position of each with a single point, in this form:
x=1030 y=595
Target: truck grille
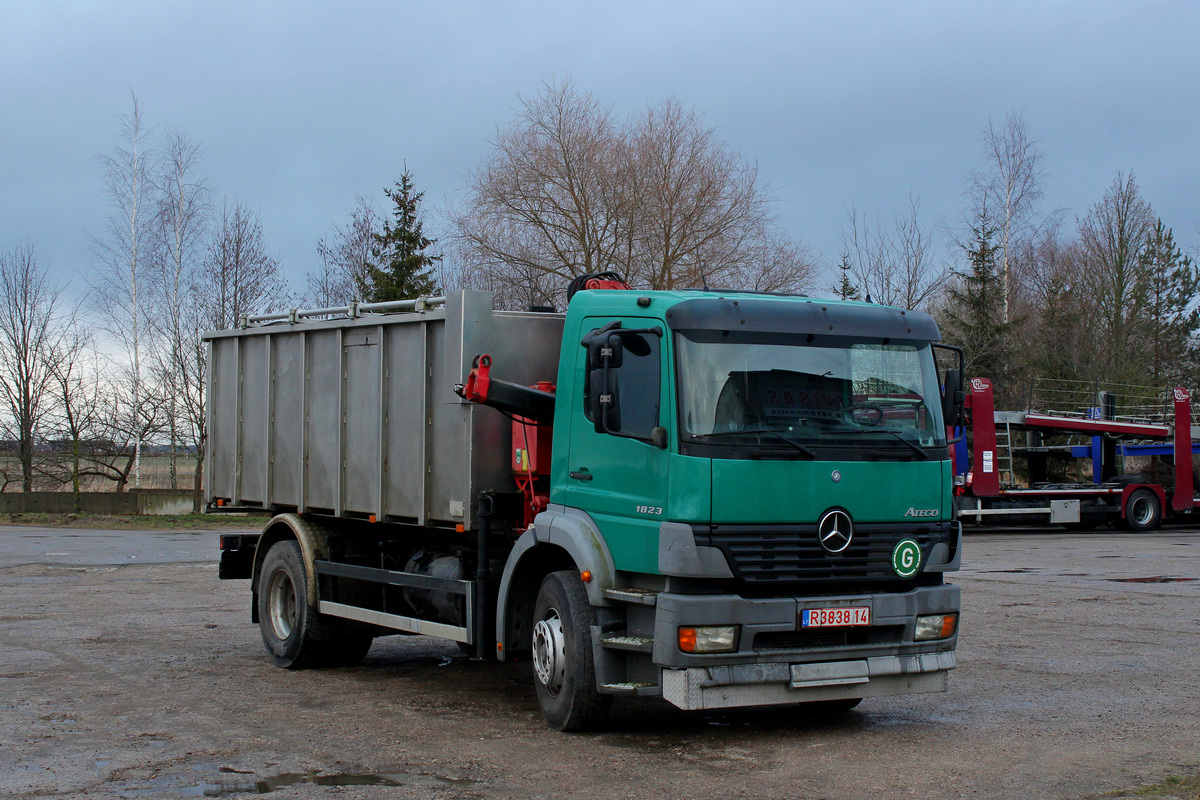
x=773 y=554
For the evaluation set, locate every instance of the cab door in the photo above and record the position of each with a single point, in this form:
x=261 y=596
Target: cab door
x=619 y=477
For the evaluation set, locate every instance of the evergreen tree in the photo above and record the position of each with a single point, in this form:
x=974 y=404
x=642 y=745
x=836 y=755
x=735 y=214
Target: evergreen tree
x=973 y=315
x=403 y=267
x=845 y=288
x=1172 y=316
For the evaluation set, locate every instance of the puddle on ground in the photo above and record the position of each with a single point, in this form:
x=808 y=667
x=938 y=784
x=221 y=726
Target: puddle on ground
x=1155 y=579
x=1012 y=571
x=286 y=779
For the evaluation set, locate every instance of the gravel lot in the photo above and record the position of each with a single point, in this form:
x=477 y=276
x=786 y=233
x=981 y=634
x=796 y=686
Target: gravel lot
x=128 y=670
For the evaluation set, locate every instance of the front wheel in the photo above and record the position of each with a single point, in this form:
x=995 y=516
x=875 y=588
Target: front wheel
x=1142 y=511
x=563 y=670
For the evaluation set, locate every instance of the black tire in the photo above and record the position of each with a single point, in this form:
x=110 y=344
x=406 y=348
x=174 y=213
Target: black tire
x=295 y=635
x=1143 y=512
x=564 y=674
x=832 y=707
x=350 y=644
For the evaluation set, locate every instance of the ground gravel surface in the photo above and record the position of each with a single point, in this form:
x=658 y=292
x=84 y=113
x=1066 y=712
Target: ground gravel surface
x=127 y=669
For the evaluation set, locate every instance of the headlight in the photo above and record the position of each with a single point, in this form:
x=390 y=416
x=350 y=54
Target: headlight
x=936 y=626
x=709 y=639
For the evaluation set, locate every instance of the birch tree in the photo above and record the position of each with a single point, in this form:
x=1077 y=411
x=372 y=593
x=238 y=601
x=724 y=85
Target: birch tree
x=183 y=205
x=121 y=280
x=1011 y=186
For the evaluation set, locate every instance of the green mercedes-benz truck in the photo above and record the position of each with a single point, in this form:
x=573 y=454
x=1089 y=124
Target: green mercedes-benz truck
x=723 y=499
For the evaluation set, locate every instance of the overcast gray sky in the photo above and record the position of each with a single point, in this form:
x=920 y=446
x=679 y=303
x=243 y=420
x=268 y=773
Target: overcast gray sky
x=299 y=105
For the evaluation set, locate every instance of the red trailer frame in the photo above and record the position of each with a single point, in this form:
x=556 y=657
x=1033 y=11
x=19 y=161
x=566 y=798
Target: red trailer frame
x=1141 y=506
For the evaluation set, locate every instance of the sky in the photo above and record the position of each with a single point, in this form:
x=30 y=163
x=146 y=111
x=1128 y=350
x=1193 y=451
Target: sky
x=299 y=106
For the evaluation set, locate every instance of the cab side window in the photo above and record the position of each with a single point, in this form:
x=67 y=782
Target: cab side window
x=638 y=382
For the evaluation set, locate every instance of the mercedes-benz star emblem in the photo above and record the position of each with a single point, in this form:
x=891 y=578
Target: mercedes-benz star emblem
x=835 y=530
x=836 y=476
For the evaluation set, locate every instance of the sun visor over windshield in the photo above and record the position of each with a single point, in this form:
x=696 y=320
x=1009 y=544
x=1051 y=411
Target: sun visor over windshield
x=791 y=316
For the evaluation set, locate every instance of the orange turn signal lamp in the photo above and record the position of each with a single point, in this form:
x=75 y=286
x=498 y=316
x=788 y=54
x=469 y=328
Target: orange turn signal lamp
x=935 y=626
x=709 y=639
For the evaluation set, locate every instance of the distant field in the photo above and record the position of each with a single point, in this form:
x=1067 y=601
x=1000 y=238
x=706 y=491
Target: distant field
x=156 y=474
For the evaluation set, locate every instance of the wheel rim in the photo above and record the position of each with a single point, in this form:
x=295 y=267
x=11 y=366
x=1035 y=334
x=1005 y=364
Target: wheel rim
x=1142 y=511
x=549 y=652
x=281 y=604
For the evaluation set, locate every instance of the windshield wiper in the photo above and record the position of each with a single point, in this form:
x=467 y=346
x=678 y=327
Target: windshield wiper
x=915 y=448
x=799 y=446
x=808 y=451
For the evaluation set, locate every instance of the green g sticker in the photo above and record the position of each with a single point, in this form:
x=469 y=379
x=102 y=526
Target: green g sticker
x=906 y=558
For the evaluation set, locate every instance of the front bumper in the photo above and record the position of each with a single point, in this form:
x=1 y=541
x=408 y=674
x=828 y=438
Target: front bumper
x=700 y=688
x=777 y=663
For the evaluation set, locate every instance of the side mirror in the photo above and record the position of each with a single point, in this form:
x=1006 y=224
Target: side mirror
x=658 y=437
x=605 y=347
x=604 y=398
x=953 y=394
x=952 y=398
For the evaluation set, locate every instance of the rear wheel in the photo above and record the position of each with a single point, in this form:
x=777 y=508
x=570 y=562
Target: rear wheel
x=563 y=670
x=293 y=632
x=1142 y=511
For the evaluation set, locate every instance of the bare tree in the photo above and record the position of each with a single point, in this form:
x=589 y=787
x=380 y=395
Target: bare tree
x=896 y=266
x=549 y=197
x=1114 y=237
x=121 y=279
x=570 y=189
x=183 y=206
x=346 y=258
x=697 y=204
x=238 y=276
x=1011 y=187
x=772 y=262
x=1063 y=334
x=31 y=332
x=77 y=391
x=120 y=428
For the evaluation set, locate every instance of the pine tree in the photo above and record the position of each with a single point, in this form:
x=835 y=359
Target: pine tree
x=845 y=288
x=1172 y=318
x=974 y=312
x=403 y=268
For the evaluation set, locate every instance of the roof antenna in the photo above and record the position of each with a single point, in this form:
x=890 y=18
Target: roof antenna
x=869 y=300
x=703 y=280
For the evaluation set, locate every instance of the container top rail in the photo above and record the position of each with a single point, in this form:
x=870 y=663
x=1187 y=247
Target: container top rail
x=351 y=311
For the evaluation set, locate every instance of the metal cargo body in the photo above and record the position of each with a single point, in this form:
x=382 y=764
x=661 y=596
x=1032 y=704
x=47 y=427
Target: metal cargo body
x=357 y=416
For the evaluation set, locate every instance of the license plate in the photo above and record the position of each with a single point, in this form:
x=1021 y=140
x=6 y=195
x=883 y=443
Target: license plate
x=835 y=617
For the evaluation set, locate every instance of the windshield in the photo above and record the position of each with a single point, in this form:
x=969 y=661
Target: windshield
x=819 y=397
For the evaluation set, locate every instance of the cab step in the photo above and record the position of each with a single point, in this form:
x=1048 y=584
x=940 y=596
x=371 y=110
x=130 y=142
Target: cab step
x=642 y=597
x=641 y=689
x=634 y=644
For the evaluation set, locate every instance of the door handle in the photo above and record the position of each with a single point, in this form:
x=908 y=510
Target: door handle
x=582 y=475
